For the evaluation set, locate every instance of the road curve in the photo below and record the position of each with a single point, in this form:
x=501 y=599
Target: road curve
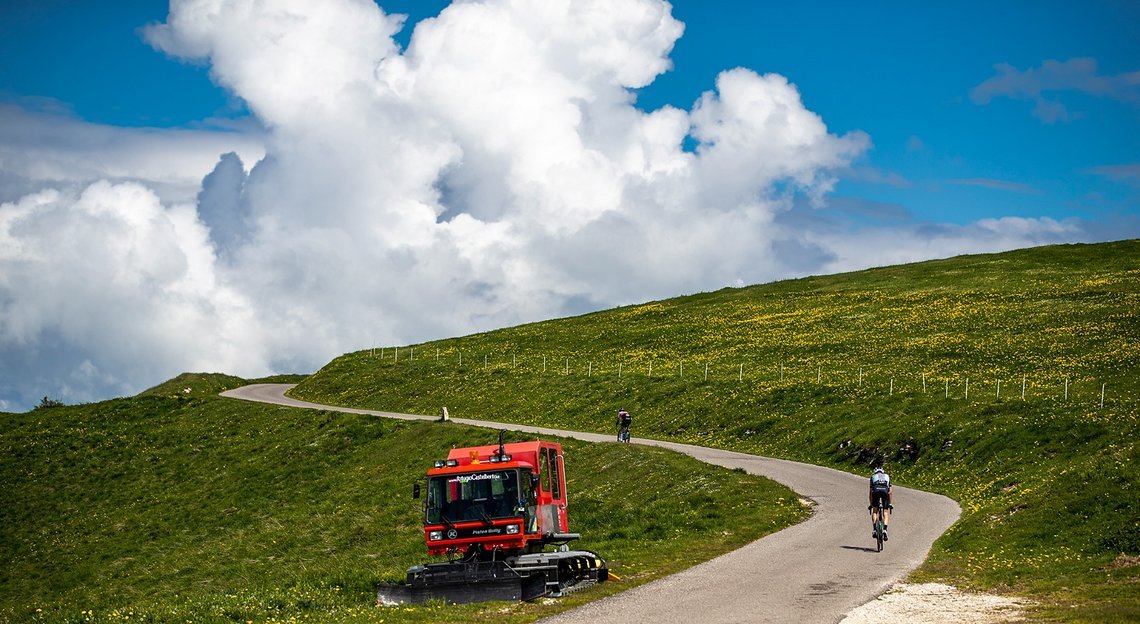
x=815 y=571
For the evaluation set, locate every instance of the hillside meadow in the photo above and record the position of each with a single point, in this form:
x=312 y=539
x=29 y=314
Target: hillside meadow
x=181 y=506
x=1006 y=381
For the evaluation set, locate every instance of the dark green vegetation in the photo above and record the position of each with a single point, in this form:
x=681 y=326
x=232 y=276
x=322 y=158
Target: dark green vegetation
x=198 y=385
x=831 y=370
x=179 y=506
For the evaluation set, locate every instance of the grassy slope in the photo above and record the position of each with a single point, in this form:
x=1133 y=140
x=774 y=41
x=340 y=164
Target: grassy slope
x=175 y=507
x=830 y=370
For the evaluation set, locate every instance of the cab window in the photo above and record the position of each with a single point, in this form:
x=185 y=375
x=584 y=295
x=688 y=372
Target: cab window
x=544 y=460
x=474 y=496
x=555 y=477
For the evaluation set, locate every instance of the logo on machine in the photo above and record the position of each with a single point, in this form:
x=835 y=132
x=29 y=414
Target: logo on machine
x=464 y=532
x=486 y=476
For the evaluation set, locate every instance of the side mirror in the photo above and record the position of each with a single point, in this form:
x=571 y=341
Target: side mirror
x=415 y=490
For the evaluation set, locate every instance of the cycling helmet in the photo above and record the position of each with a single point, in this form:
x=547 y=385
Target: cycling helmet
x=878 y=470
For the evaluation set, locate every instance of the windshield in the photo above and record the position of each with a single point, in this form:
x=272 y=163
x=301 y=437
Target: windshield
x=473 y=496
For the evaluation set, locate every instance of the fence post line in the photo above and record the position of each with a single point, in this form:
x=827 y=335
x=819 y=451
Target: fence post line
x=484 y=361
x=651 y=369
x=781 y=371
x=740 y=377
x=681 y=366
x=967 y=388
x=437 y=355
x=590 y=369
x=1102 y=387
x=860 y=376
x=1023 y=387
x=619 y=370
x=544 y=363
x=397 y=356
x=706 y=370
x=461 y=358
x=999 y=389
x=818 y=373
x=924 y=383
x=947 y=389
x=892 y=386
x=567 y=366
x=1066 y=388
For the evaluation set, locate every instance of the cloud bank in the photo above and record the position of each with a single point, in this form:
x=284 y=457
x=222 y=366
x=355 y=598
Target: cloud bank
x=496 y=171
x=1079 y=75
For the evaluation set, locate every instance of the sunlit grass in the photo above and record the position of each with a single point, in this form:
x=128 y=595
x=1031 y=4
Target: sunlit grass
x=1031 y=366
x=184 y=507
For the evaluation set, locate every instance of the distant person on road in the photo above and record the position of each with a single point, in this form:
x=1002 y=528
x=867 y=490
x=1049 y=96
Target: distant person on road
x=623 y=422
x=881 y=491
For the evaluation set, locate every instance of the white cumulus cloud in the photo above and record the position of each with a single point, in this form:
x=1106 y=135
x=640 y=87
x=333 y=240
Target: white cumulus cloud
x=498 y=170
x=104 y=289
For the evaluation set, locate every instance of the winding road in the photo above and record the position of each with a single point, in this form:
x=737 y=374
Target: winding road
x=815 y=571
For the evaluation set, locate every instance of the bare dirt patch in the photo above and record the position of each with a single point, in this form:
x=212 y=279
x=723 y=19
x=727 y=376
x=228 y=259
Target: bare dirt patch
x=1124 y=561
x=934 y=603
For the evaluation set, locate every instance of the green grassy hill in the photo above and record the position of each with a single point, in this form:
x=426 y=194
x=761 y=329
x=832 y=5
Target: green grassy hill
x=181 y=506
x=1010 y=382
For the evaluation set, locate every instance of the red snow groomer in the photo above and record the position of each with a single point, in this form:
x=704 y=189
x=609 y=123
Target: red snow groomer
x=493 y=510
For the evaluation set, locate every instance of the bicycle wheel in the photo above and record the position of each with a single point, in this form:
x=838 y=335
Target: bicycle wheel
x=879 y=531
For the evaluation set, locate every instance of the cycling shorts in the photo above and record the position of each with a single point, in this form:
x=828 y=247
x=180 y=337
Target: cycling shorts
x=876 y=497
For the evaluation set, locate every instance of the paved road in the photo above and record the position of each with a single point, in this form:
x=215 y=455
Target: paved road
x=815 y=571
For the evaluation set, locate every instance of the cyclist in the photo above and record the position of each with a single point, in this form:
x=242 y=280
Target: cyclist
x=881 y=490
x=623 y=421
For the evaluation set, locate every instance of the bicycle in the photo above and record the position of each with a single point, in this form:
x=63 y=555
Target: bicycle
x=879 y=526
x=623 y=435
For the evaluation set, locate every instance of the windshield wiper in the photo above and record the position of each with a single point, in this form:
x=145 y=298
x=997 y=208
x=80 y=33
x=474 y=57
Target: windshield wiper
x=486 y=519
x=445 y=519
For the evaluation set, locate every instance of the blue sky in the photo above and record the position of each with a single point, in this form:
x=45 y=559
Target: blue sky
x=903 y=76
x=192 y=173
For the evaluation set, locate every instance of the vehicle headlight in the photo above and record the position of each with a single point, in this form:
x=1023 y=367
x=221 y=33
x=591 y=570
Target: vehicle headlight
x=435 y=536
x=512 y=529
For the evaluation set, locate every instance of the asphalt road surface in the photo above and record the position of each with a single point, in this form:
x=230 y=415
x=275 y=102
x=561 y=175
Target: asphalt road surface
x=815 y=571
